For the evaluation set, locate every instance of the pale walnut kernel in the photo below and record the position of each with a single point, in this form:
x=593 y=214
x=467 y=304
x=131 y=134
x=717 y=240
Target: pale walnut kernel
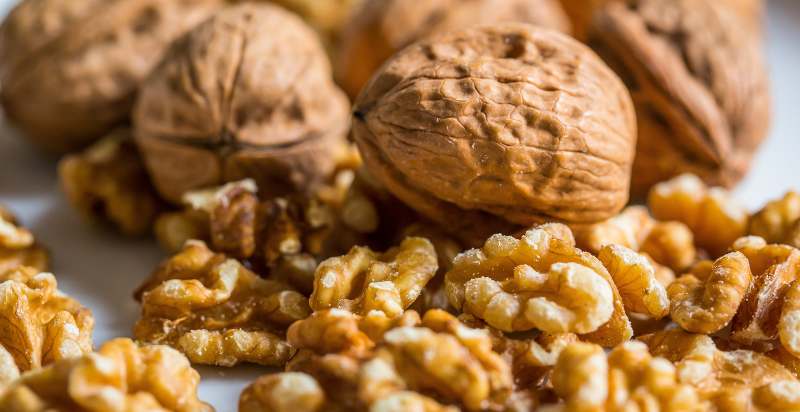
x=119 y=377
x=330 y=331
x=789 y=324
x=636 y=280
x=282 y=392
x=779 y=220
x=735 y=380
x=707 y=299
x=541 y=282
x=364 y=281
x=216 y=311
x=774 y=269
x=629 y=378
x=108 y=181
x=40 y=325
x=18 y=246
x=714 y=217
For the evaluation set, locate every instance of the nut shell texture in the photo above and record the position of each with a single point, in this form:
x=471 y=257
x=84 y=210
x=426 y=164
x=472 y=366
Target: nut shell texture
x=70 y=69
x=381 y=28
x=506 y=123
x=698 y=81
x=248 y=93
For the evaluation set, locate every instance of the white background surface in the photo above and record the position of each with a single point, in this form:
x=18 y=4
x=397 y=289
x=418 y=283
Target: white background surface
x=101 y=269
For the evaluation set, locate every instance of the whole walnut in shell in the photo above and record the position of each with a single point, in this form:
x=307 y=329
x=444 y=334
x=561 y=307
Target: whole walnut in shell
x=248 y=93
x=382 y=27
x=498 y=126
x=698 y=82
x=70 y=69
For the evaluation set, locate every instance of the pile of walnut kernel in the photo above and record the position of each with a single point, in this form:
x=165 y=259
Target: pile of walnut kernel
x=463 y=241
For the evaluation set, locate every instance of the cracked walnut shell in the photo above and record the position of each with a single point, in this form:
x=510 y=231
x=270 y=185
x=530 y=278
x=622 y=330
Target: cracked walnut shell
x=698 y=82
x=540 y=282
x=216 y=311
x=380 y=28
x=18 y=246
x=247 y=93
x=497 y=126
x=119 y=377
x=108 y=181
x=39 y=325
x=70 y=70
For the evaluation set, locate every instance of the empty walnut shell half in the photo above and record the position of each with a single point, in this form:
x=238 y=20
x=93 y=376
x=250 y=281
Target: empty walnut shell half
x=698 y=82
x=497 y=126
x=70 y=69
x=382 y=27
x=248 y=93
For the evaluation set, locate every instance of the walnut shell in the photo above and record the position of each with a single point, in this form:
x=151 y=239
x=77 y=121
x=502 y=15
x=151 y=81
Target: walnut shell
x=497 y=126
x=580 y=13
x=70 y=69
x=248 y=93
x=382 y=27
x=698 y=82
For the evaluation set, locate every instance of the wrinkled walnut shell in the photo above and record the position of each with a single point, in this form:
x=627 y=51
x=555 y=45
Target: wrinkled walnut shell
x=698 y=82
x=497 y=126
x=246 y=94
x=70 y=69
x=380 y=28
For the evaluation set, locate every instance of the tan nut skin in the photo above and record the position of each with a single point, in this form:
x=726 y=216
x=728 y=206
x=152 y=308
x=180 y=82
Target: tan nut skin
x=70 y=69
x=380 y=28
x=698 y=81
x=497 y=126
x=247 y=93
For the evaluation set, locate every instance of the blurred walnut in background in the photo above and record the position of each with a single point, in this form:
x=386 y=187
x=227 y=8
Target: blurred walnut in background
x=382 y=27
x=491 y=128
x=248 y=93
x=698 y=82
x=70 y=69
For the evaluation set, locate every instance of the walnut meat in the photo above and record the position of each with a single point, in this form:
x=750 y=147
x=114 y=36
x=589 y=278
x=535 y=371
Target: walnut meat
x=18 y=246
x=70 y=69
x=216 y=311
x=119 y=377
x=247 y=93
x=539 y=282
x=779 y=220
x=497 y=126
x=636 y=280
x=699 y=84
x=380 y=28
x=108 y=181
x=39 y=325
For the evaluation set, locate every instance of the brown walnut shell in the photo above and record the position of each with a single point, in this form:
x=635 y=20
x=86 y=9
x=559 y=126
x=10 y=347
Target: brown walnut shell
x=497 y=126
x=248 y=93
x=382 y=27
x=70 y=69
x=698 y=82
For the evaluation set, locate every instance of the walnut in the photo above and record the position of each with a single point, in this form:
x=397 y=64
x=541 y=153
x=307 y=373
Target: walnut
x=779 y=220
x=268 y=111
x=708 y=298
x=464 y=127
x=774 y=269
x=283 y=392
x=540 y=282
x=628 y=378
x=380 y=28
x=328 y=17
x=698 y=82
x=715 y=218
x=39 y=325
x=580 y=13
x=330 y=331
x=18 y=246
x=108 y=181
x=789 y=322
x=635 y=277
x=364 y=281
x=216 y=311
x=65 y=85
x=119 y=377
x=738 y=380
